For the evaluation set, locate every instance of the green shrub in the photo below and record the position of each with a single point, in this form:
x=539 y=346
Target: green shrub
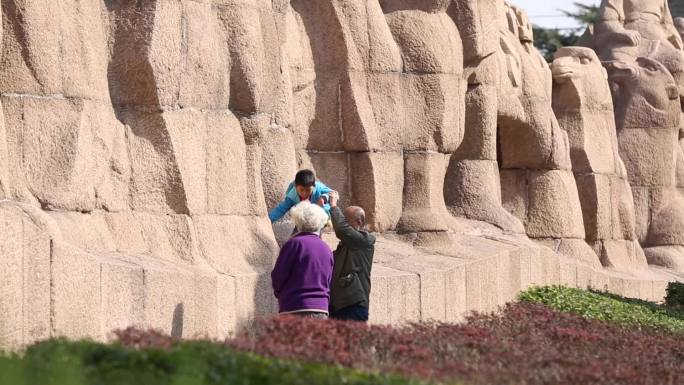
x=607 y=307
x=675 y=295
x=59 y=362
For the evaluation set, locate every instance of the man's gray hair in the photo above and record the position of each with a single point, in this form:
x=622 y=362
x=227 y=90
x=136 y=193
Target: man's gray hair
x=309 y=217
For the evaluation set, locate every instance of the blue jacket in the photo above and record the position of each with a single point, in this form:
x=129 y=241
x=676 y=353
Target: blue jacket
x=292 y=198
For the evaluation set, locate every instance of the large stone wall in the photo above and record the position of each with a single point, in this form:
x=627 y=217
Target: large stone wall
x=142 y=143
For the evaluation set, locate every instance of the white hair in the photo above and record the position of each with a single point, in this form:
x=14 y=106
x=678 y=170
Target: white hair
x=308 y=217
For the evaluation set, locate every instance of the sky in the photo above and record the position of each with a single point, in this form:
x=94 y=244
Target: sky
x=545 y=13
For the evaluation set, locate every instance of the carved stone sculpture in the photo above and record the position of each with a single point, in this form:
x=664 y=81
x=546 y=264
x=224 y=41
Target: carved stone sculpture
x=127 y=158
x=646 y=94
x=679 y=25
x=647 y=115
x=346 y=80
x=473 y=188
x=537 y=181
x=433 y=93
x=640 y=28
x=141 y=143
x=582 y=102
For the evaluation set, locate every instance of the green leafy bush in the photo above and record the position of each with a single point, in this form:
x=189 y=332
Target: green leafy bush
x=59 y=362
x=607 y=307
x=675 y=295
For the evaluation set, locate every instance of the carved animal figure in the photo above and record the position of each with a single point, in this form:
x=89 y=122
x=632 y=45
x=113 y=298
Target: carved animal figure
x=534 y=150
x=624 y=25
x=628 y=29
x=647 y=117
x=472 y=187
x=433 y=98
x=582 y=102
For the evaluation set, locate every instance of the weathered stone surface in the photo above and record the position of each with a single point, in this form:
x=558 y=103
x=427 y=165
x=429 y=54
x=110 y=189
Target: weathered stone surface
x=575 y=249
x=666 y=256
x=472 y=189
x=221 y=238
x=622 y=255
x=424 y=208
x=278 y=163
x=667 y=227
x=633 y=28
x=45 y=54
x=377 y=186
x=514 y=193
x=142 y=143
x=551 y=193
x=665 y=238
x=534 y=151
x=644 y=167
x=76 y=293
x=643 y=52
x=26 y=278
x=123 y=286
x=583 y=104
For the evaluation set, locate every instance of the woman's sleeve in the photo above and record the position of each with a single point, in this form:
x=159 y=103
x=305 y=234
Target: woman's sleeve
x=283 y=268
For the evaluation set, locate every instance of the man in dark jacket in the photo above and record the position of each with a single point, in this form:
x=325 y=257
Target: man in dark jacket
x=351 y=284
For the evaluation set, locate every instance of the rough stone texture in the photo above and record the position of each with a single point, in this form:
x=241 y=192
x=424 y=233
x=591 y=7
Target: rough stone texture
x=433 y=104
x=539 y=188
x=26 y=279
x=142 y=143
x=642 y=49
x=473 y=190
x=472 y=181
x=639 y=28
x=583 y=104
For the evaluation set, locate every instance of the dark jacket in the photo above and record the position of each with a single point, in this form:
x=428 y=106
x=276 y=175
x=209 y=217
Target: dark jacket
x=351 y=282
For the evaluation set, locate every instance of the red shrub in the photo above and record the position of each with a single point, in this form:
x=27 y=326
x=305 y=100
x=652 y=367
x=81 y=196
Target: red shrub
x=139 y=339
x=528 y=344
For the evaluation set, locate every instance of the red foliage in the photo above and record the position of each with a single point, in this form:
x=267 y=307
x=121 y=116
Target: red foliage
x=144 y=339
x=527 y=343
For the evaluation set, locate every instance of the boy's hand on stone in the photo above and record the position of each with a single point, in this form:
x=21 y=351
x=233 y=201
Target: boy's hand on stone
x=321 y=202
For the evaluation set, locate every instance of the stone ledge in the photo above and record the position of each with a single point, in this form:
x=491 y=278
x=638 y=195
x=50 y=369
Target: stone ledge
x=436 y=287
x=81 y=293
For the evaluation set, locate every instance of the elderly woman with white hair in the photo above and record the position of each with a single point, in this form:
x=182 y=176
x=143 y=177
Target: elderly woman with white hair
x=301 y=276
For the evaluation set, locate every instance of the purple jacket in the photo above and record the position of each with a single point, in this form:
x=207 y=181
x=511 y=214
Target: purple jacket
x=301 y=276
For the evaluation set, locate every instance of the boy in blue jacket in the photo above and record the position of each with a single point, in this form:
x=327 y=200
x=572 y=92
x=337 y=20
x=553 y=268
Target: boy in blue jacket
x=305 y=186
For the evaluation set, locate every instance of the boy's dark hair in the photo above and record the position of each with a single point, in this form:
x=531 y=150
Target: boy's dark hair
x=305 y=178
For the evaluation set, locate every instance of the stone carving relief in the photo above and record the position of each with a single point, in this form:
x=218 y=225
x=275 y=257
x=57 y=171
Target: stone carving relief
x=473 y=187
x=642 y=49
x=647 y=114
x=537 y=181
x=347 y=103
x=634 y=28
x=583 y=104
x=142 y=143
x=433 y=101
